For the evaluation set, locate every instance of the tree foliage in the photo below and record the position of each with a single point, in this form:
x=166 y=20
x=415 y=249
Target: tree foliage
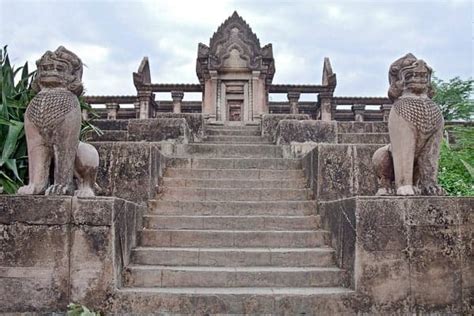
x=454 y=98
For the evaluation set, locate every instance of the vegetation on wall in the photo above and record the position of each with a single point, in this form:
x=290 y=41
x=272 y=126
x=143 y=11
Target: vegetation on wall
x=16 y=93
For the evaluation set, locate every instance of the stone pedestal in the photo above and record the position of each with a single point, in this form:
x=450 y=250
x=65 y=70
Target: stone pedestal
x=57 y=250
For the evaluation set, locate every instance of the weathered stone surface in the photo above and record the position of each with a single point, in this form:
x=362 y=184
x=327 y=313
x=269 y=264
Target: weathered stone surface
x=155 y=130
x=54 y=260
x=106 y=125
x=411 y=254
x=339 y=171
x=362 y=127
x=129 y=170
x=289 y=131
x=195 y=123
x=270 y=122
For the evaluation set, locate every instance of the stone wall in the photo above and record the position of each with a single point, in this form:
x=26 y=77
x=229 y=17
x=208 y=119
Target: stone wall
x=336 y=171
x=406 y=254
x=176 y=127
x=290 y=131
x=57 y=250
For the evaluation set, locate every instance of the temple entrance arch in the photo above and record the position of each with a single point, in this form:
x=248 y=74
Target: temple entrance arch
x=234 y=72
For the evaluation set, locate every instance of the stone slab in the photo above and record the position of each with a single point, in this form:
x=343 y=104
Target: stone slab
x=270 y=122
x=295 y=131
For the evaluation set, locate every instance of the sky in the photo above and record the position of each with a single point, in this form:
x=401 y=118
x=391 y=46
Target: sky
x=361 y=38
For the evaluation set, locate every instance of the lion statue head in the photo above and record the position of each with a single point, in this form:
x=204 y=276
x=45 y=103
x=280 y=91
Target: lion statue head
x=59 y=69
x=409 y=74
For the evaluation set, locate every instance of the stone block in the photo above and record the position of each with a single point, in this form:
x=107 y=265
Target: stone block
x=195 y=123
x=129 y=170
x=290 y=131
x=335 y=172
x=270 y=122
x=33 y=209
x=155 y=130
x=121 y=125
x=365 y=180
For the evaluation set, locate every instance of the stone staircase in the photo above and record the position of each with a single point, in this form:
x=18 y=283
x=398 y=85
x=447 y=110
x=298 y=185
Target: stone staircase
x=233 y=231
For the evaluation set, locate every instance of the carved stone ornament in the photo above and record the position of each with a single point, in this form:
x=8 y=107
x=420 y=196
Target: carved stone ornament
x=416 y=128
x=234 y=45
x=52 y=127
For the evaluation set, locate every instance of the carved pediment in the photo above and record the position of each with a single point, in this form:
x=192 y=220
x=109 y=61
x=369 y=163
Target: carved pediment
x=234 y=46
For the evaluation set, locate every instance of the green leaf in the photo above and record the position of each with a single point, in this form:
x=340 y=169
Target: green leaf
x=11 y=164
x=469 y=168
x=11 y=140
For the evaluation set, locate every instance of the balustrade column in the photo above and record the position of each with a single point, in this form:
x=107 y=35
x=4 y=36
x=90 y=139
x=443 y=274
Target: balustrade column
x=145 y=97
x=177 y=97
x=293 y=98
x=386 y=111
x=325 y=99
x=112 y=110
x=359 y=110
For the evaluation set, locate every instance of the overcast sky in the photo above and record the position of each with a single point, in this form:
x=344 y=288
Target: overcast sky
x=361 y=38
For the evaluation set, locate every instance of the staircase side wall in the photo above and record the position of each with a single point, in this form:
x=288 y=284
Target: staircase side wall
x=406 y=254
x=58 y=250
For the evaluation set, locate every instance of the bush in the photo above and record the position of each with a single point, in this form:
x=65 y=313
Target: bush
x=457 y=161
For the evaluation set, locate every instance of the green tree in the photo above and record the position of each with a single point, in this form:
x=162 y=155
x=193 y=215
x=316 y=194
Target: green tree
x=454 y=98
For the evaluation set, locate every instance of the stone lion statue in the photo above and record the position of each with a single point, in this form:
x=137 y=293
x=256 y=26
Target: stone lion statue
x=52 y=127
x=415 y=127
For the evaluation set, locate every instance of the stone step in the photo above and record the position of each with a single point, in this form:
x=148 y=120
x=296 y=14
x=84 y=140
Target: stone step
x=219 y=208
x=237 y=139
x=231 y=238
x=231 y=222
x=232 y=132
x=299 y=183
x=233 y=300
x=243 y=257
x=199 y=276
x=235 y=174
x=234 y=163
x=209 y=194
x=363 y=138
x=228 y=150
x=233 y=127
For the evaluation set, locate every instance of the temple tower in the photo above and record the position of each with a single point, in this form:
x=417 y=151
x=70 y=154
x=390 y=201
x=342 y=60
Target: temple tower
x=235 y=73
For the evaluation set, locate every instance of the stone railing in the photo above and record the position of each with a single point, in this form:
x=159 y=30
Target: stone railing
x=356 y=109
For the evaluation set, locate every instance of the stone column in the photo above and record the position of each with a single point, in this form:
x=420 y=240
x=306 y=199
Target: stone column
x=386 y=111
x=325 y=99
x=358 y=110
x=136 y=105
x=293 y=98
x=177 y=97
x=145 y=97
x=112 y=110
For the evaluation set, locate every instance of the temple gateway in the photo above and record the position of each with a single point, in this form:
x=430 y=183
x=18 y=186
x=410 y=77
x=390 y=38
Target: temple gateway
x=235 y=76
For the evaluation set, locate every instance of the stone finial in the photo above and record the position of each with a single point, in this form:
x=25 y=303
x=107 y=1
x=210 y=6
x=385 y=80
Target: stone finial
x=293 y=97
x=415 y=126
x=52 y=128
